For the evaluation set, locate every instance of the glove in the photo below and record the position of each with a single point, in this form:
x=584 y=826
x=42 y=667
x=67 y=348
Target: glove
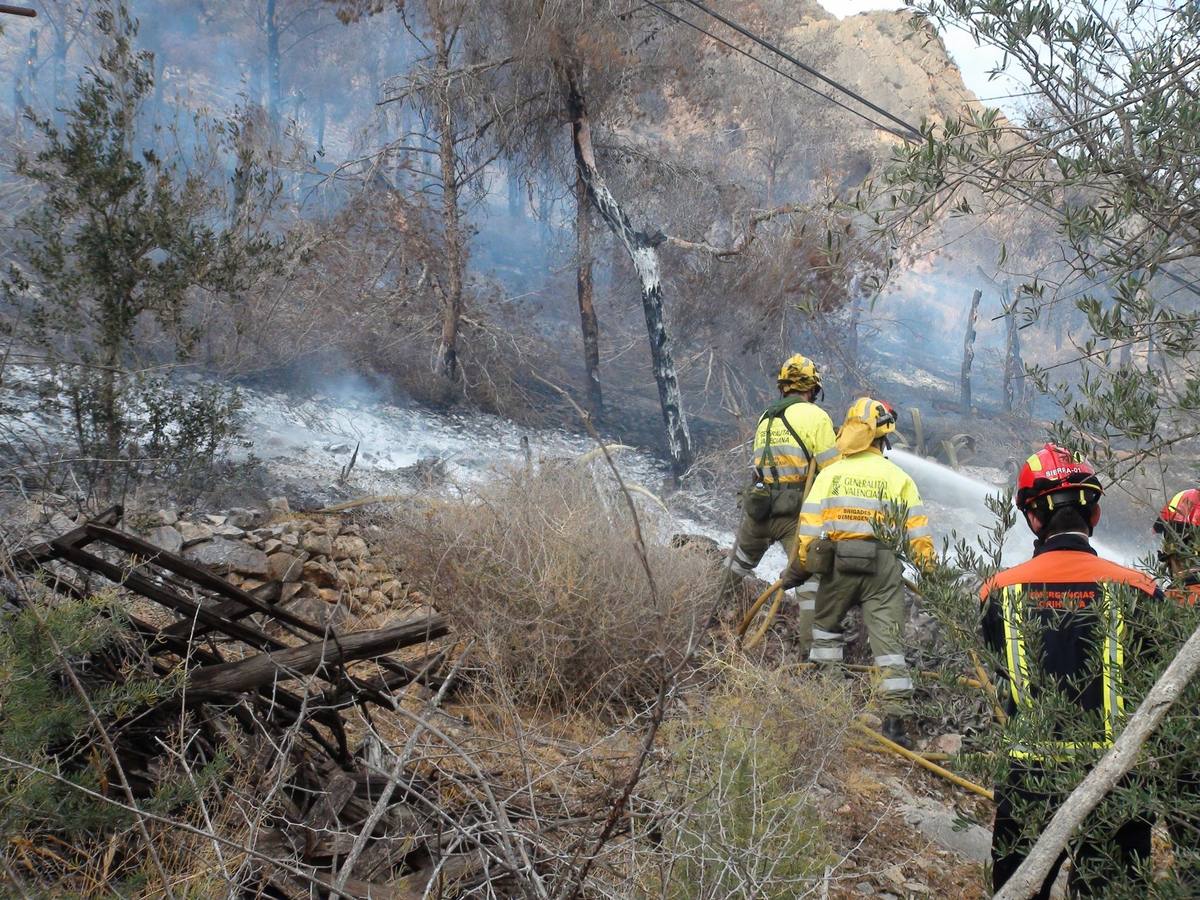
x=793 y=579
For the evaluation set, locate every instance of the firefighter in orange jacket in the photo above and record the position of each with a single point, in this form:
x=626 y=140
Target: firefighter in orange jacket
x=1178 y=525
x=1061 y=624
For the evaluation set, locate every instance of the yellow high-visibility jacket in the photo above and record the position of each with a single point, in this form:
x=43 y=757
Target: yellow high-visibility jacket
x=850 y=495
x=777 y=457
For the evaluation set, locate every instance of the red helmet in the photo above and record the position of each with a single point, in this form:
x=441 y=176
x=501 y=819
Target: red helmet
x=1183 y=511
x=1055 y=477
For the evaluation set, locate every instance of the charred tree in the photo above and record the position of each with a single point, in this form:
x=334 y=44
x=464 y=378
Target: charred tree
x=23 y=82
x=964 y=398
x=1014 y=367
x=642 y=249
x=446 y=362
x=587 y=308
x=274 y=91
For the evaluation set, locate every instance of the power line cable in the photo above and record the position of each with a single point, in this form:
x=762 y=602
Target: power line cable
x=912 y=135
x=914 y=132
x=777 y=70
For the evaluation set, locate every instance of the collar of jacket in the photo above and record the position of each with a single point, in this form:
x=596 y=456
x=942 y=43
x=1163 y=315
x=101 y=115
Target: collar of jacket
x=867 y=452
x=1070 y=541
x=781 y=404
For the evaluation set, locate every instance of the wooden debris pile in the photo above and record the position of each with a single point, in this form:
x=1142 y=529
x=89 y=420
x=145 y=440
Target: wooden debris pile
x=245 y=610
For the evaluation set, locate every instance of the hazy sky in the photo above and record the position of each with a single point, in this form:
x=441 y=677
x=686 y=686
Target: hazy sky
x=974 y=61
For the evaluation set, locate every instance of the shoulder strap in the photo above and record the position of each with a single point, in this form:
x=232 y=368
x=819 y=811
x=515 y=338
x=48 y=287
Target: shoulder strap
x=775 y=411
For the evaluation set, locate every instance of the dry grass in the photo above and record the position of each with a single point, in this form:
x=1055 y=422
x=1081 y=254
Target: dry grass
x=542 y=571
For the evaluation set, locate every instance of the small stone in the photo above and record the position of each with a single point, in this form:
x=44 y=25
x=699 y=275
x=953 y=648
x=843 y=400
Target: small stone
x=289 y=590
x=329 y=595
x=318 y=544
x=284 y=567
x=349 y=547
x=871 y=720
x=316 y=611
x=377 y=601
x=351 y=529
x=166 y=538
x=243 y=518
x=61 y=524
x=320 y=574
x=279 y=506
x=394 y=590
x=270 y=545
x=251 y=584
x=193 y=533
x=167 y=516
x=223 y=556
x=947 y=743
x=290 y=540
x=215 y=520
x=229 y=531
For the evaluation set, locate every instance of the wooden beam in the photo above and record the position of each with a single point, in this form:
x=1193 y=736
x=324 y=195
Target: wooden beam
x=315 y=658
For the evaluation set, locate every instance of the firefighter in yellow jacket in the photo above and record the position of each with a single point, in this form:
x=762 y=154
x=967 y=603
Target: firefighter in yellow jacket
x=793 y=436
x=837 y=541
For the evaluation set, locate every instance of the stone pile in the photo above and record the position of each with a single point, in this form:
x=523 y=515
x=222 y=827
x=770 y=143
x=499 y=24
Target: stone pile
x=315 y=565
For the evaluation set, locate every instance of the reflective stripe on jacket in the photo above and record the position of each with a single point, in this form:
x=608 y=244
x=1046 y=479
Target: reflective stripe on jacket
x=850 y=496
x=1081 y=608
x=777 y=456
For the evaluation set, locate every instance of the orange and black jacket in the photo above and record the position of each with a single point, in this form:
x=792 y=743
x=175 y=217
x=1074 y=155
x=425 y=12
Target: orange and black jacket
x=1067 y=619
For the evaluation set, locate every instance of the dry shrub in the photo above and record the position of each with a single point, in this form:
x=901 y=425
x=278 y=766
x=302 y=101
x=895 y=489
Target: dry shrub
x=541 y=569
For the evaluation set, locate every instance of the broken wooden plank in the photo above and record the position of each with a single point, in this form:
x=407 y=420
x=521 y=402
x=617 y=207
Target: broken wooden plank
x=240 y=603
x=315 y=658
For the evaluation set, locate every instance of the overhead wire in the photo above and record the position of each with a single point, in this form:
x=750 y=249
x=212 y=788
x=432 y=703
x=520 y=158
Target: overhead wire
x=910 y=134
x=914 y=132
x=775 y=69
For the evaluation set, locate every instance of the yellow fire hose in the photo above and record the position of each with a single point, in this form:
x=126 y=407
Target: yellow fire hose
x=776 y=590
x=925 y=763
x=927 y=755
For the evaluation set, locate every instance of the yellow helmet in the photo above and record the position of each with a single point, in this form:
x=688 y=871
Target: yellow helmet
x=798 y=373
x=866 y=421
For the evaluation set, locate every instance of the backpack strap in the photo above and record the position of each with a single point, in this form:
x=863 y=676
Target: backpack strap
x=776 y=411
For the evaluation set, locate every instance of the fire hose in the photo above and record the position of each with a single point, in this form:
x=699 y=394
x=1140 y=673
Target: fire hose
x=925 y=763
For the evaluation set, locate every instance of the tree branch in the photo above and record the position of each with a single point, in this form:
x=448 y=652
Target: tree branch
x=1120 y=758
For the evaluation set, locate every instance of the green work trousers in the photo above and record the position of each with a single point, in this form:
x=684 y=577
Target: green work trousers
x=881 y=596
x=753 y=541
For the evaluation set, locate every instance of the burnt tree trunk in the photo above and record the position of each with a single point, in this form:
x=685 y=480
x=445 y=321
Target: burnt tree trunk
x=964 y=398
x=446 y=362
x=643 y=252
x=587 y=308
x=23 y=82
x=320 y=129
x=1014 y=367
x=274 y=93
x=61 y=45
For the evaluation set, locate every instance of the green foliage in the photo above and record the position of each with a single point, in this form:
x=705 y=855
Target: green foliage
x=112 y=259
x=1162 y=787
x=1105 y=160
x=742 y=821
x=45 y=725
